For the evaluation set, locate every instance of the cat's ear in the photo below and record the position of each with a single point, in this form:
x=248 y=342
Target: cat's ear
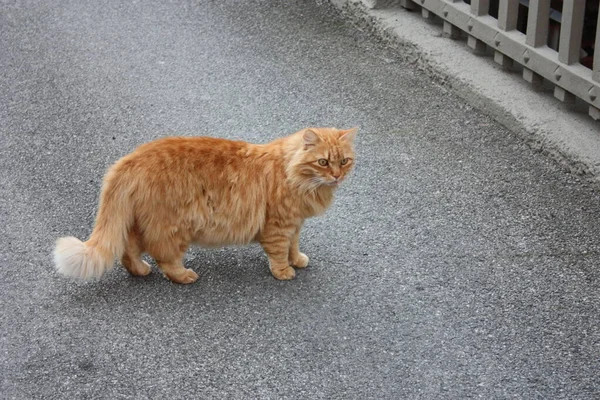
x=348 y=135
x=310 y=138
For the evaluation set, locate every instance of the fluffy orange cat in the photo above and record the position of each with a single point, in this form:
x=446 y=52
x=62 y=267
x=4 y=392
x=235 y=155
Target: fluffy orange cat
x=175 y=191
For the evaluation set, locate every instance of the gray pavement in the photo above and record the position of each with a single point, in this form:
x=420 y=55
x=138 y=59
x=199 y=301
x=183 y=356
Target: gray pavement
x=455 y=263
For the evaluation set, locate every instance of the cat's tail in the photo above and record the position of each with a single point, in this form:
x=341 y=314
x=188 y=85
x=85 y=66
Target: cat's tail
x=78 y=259
x=91 y=259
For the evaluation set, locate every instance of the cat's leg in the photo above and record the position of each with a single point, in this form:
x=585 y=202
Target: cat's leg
x=169 y=257
x=132 y=258
x=276 y=243
x=296 y=258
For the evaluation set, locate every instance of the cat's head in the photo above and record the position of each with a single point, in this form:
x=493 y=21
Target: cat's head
x=325 y=156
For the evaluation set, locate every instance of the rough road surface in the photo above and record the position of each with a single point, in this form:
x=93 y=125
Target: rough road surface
x=455 y=263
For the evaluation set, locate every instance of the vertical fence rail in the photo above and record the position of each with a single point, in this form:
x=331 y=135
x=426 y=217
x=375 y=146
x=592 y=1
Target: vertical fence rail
x=594 y=92
x=537 y=36
x=508 y=14
x=596 y=67
x=449 y=30
x=480 y=7
x=571 y=29
x=537 y=22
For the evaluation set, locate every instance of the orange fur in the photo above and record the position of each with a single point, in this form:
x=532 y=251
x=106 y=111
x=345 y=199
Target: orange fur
x=175 y=191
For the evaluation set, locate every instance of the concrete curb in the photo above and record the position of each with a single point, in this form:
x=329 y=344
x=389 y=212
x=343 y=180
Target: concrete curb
x=566 y=133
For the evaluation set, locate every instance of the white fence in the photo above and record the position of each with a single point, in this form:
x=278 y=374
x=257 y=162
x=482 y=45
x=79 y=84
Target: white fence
x=546 y=37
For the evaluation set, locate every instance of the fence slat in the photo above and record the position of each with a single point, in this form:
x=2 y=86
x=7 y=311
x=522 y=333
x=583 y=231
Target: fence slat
x=425 y=13
x=508 y=13
x=451 y=31
x=407 y=4
x=563 y=95
x=503 y=60
x=480 y=7
x=536 y=80
x=477 y=45
x=537 y=23
x=571 y=28
x=596 y=67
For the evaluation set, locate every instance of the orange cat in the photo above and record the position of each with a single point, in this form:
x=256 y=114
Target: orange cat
x=213 y=192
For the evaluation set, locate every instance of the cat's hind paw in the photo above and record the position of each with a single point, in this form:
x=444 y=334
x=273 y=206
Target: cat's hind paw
x=140 y=269
x=301 y=261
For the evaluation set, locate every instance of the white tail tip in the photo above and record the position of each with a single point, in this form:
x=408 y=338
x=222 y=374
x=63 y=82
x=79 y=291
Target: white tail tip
x=74 y=258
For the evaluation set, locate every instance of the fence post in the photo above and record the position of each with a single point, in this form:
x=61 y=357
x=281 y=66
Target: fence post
x=508 y=13
x=594 y=112
x=537 y=35
x=449 y=30
x=425 y=13
x=596 y=66
x=407 y=4
x=537 y=23
x=478 y=8
x=571 y=28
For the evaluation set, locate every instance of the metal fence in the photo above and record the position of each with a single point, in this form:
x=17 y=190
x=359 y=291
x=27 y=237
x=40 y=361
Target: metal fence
x=553 y=40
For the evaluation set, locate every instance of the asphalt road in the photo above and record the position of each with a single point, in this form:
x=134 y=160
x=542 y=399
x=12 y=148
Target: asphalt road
x=455 y=262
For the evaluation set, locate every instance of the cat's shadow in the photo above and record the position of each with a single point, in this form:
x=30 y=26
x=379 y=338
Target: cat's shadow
x=230 y=264
x=221 y=272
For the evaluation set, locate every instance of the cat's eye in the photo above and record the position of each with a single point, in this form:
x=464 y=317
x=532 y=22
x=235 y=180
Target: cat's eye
x=322 y=162
x=344 y=161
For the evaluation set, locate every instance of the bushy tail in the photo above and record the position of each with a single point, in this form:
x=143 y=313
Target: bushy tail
x=77 y=259
x=91 y=259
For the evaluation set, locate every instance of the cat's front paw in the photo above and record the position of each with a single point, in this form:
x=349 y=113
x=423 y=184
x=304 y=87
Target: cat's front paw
x=301 y=261
x=183 y=276
x=283 y=274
